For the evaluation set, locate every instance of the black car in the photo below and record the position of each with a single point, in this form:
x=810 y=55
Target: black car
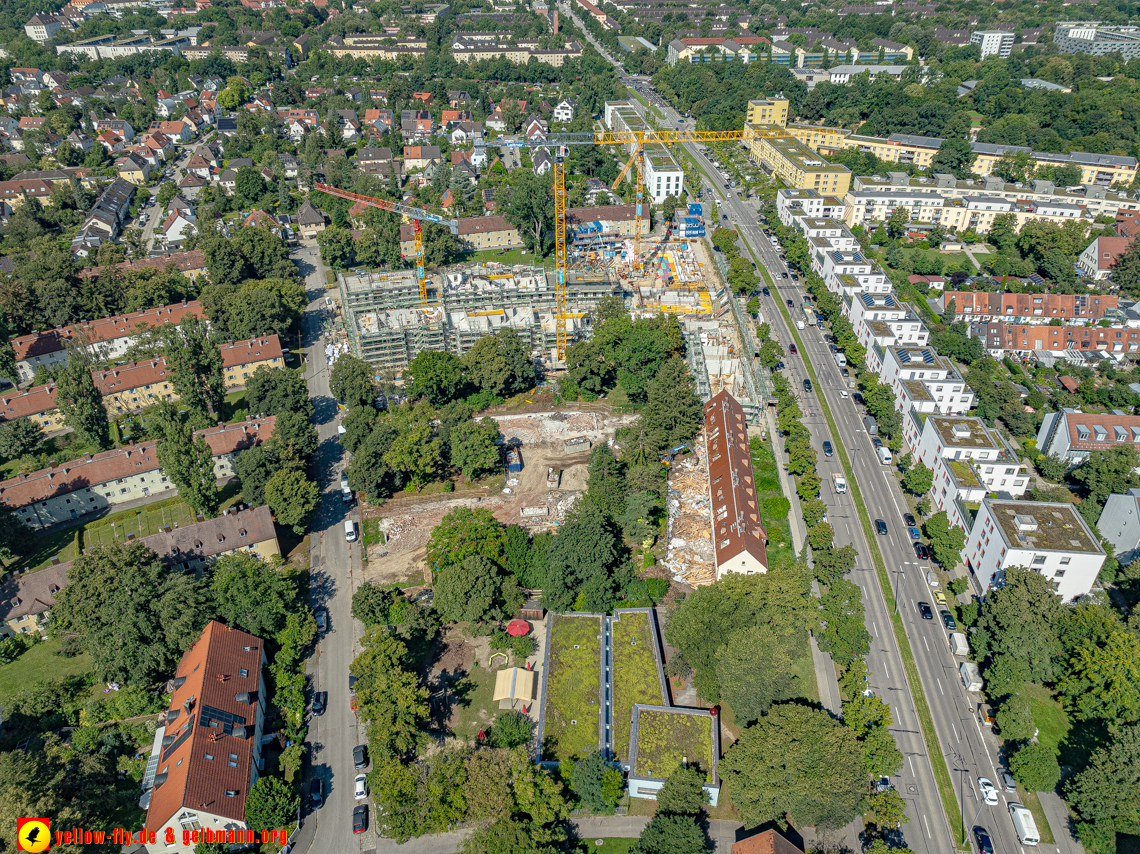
x=948 y=620
x=790 y=303
x=880 y=527
x=360 y=818
x=827 y=449
x=807 y=385
x=316 y=791
x=921 y=551
x=767 y=292
x=359 y=757
x=320 y=702
x=909 y=519
x=858 y=398
x=985 y=846
x=924 y=609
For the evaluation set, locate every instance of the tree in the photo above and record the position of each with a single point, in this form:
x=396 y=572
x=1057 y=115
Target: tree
x=436 y=375
x=511 y=729
x=844 y=634
x=472 y=592
x=886 y=810
x=683 y=793
x=271 y=392
x=249 y=186
x=195 y=362
x=954 y=156
x=158 y=613
x=754 y=669
x=671 y=404
x=1015 y=166
x=605 y=482
x=474 y=448
x=294 y=440
x=1018 y=627
x=1126 y=268
x=292 y=497
x=796 y=764
x=1034 y=765
x=669 y=833
x=464 y=532
x=595 y=781
x=250 y=594
x=80 y=402
x=186 y=459
x=946 y=540
x=18 y=437
x=271 y=803
x=351 y=381
x=530 y=208
x=373 y=605
x=1106 y=795
x=1106 y=472
x=390 y=697
x=581 y=559
x=254 y=467
x=369 y=472
x=918 y=480
x=1014 y=719
x=1103 y=682
x=500 y=364
x=414 y=451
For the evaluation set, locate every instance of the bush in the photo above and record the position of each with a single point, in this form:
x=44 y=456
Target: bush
x=511 y=729
x=15 y=646
x=1035 y=767
x=959 y=586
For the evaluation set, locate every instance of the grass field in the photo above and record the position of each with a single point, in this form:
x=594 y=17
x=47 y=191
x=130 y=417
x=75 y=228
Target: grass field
x=39 y=664
x=573 y=690
x=608 y=846
x=142 y=522
x=1030 y=800
x=780 y=546
x=475 y=710
x=1052 y=722
x=634 y=675
x=502 y=256
x=665 y=739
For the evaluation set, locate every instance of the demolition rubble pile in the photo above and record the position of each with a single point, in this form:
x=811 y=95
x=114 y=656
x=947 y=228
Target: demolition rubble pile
x=689 y=548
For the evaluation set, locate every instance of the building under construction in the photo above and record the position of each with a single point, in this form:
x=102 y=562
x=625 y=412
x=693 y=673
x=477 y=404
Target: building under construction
x=388 y=328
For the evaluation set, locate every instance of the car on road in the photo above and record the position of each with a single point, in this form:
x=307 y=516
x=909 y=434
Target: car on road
x=807 y=385
x=985 y=846
x=843 y=394
x=320 y=702
x=790 y=303
x=360 y=818
x=988 y=791
x=908 y=518
x=316 y=792
x=948 y=620
x=322 y=620
x=858 y=398
x=359 y=757
x=827 y=449
x=880 y=527
x=921 y=551
x=1008 y=784
x=925 y=610
x=361 y=786
x=915 y=534
x=792 y=349
x=766 y=292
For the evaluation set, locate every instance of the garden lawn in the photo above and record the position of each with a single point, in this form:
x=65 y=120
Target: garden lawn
x=475 y=709
x=609 y=846
x=666 y=739
x=1051 y=720
x=764 y=467
x=573 y=690
x=634 y=675
x=39 y=664
x=501 y=256
x=142 y=522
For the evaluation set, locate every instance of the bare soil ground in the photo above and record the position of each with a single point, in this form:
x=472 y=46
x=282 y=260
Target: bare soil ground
x=407 y=522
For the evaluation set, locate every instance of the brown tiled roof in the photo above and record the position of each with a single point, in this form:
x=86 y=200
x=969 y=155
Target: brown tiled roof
x=608 y=213
x=768 y=842
x=195 y=259
x=32 y=592
x=237 y=529
x=104 y=329
x=208 y=683
x=89 y=470
x=254 y=350
x=41 y=398
x=129 y=376
x=1107 y=436
x=732 y=486
x=1026 y=336
x=984 y=304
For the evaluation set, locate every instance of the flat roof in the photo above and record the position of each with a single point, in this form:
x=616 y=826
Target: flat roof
x=1043 y=525
x=978 y=437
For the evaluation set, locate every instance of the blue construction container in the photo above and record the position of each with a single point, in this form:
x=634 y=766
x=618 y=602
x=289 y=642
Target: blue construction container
x=514 y=460
x=696 y=209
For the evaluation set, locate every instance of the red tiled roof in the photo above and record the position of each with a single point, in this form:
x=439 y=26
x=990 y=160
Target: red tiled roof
x=89 y=470
x=104 y=329
x=208 y=684
x=1107 y=436
x=731 y=483
x=30 y=402
x=254 y=350
x=768 y=842
x=127 y=377
x=1046 y=306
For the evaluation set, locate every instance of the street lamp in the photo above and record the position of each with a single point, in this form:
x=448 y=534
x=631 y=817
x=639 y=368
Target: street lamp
x=898 y=584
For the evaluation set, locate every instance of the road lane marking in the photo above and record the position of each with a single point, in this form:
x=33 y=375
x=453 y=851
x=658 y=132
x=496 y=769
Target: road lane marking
x=925 y=644
x=928 y=836
x=939 y=681
x=957 y=737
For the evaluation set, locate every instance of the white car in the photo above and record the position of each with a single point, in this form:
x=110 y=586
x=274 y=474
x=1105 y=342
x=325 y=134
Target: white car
x=843 y=394
x=988 y=791
x=362 y=787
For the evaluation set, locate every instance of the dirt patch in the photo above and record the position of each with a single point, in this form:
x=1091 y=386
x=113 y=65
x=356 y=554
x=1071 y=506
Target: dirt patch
x=407 y=525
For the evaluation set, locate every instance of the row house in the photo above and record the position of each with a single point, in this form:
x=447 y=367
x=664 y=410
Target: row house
x=1019 y=339
x=1027 y=308
x=105 y=220
x=416 y=125
x=99 y=482
x=968 y=460
x=1071 y=435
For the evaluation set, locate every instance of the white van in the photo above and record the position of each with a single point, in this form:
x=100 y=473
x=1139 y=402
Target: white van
x=884 y=455
x=350 y=531
x=1024 y=824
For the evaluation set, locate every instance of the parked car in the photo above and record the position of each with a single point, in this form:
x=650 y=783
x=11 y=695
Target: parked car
x=320 y=702
x=322 y=620
x=921 y=551
x=316 y=792
x=909 y=520
x=827 y=449
x=1008 y=784
x=940 y=598
x=915 y=534
x=988 y=791
x=880 y=527
x=361 y=789
x=360 y=818
x=985 y=846
x=858 y=398
x=925 y=611
x=948 y=620
x=359 y=757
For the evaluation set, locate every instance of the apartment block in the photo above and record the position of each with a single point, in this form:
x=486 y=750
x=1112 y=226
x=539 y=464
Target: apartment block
x=738 y=536
x=373 y=47
x=97 y=482
x=1119 y=523
x=1048 y=538
x=36 y=404
x=795 y=163
x=1071 y=434
x=773 y=111
x=106 y=339
x=1002 y=339
x=1098 y=39
x=1102 y=170
x=1028 y=308
x=26 y=600
x=241 y=358
x=663 y=176
x=924 y=381
x=993 y=42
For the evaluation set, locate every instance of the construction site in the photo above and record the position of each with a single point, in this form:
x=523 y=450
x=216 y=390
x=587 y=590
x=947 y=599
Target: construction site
x=688 y=543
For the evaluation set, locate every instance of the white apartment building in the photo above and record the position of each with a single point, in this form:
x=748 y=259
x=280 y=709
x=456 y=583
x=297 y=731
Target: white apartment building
x=663 y=176
x=993 y=42
x=1049 y=538
x=968 y=460
x=793 y=203
x=923 y=380
x=1072 y=434
x=865 y=308
x=824 y=231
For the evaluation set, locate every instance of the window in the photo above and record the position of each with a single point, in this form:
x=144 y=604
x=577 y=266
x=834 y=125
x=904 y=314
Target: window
x=1065 y=561
x=243 y=672
x=189 y=821
x=1039 y=560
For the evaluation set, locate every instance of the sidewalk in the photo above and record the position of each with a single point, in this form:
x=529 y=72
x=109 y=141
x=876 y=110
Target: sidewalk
x=1058 y=815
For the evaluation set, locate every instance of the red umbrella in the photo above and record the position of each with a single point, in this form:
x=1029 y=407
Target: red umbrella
x=518 y=628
